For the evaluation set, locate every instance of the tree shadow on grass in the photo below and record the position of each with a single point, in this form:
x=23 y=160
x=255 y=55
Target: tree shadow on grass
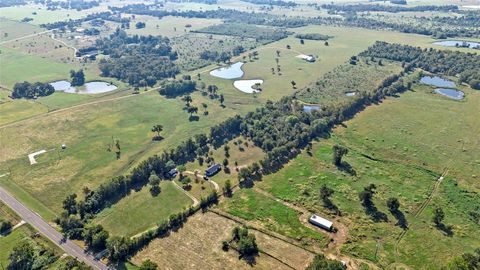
x=401 y=220
x=375 y=214
x=346 y=167
x=447 y=229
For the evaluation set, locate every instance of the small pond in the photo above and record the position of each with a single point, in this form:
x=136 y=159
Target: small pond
x=451 y=93
x=350 y=94
x=89 y=88
x=458 y=43
x=437 y=81
x=246 y=86
x=310 y=108
x=230 y=72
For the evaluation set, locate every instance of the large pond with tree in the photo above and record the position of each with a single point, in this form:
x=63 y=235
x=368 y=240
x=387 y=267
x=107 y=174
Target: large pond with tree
x=96 y=87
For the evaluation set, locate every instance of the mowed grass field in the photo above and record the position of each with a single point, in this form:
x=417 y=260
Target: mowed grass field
x=142 y=204
x=168 y=26
x=88 y=131
x=10 y=30
x=198 y=245
x=402 y=146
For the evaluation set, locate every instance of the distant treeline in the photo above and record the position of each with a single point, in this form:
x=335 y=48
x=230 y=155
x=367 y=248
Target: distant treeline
x=313 y=36
x=451 y=63
x=71 y=4
x=32 y=90
x=259 y=33
x=9 y=3
x=386 y=8
x=208 y=2
x=466 y=25
x=272 y=3
x=138 y=60
x=107 y=16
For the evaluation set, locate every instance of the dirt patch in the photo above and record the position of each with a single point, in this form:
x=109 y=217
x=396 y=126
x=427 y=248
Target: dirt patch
x=198 y=246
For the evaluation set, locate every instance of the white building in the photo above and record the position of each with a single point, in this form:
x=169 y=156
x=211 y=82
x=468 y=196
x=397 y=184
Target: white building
x=321 y=222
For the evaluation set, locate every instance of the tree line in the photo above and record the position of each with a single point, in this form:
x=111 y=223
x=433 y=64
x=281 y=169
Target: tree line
x=260 y=34
x=313 y=36
x=451 y=63
x=387 y=8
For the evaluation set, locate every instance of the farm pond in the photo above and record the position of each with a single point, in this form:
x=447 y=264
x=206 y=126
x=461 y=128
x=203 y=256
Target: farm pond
x=233 y=71
x=458 y=43
x=437 y=81
x=97 y=87
x=450 y=93
x=246 y=86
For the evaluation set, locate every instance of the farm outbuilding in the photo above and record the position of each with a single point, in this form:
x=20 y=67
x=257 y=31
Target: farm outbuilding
x=321 y=222
x=172 y=173
x=212 y=170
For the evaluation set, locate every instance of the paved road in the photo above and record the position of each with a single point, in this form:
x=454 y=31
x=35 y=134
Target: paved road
x=44 y=228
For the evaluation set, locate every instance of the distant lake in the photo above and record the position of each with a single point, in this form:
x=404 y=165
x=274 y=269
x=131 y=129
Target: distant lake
x=246 y=85
x=437 y=81
x=89 y=88
x=451 y=93
x=458 y=43
x=310 y=108
x=230 y=72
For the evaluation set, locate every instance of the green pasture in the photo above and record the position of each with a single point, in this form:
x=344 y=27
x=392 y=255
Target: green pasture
x=10 y=30
x=387 y=148
x=42 y=14
x=253 y=206
x=141 y=211
x=169 y=26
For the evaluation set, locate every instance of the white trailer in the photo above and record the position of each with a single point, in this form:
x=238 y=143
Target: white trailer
x=321 y=222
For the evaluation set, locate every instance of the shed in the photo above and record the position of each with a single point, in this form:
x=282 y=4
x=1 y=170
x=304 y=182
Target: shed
x=321 y=222
x=172 y=173
x=212 y=170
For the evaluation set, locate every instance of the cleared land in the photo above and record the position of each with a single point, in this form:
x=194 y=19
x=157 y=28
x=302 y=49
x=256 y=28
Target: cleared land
x=142 y=204
x=198 y=245
x=169 y=26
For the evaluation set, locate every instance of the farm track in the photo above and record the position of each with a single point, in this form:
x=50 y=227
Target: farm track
x=27 y=36
x=420 y=209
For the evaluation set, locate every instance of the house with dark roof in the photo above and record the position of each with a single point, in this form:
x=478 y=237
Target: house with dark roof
x=171 y=174
x=212 y=170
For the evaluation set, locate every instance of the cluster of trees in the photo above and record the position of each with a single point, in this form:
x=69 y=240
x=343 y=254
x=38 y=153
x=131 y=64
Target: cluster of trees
x=322 y=263
x=467 y=261
x=5 y=226
x=72 y=4
x=260 y=34
x=29 y=90
x=138 y=60
x=386 y=8
x=177 y=88
x=244 y=243
x=30 y=255
x=9 y=3
x=451 y=63
x=313 y=36
x=140 y=25
x=221 y=56
x=71 y=24
x=280 y=3
x=78 y=77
